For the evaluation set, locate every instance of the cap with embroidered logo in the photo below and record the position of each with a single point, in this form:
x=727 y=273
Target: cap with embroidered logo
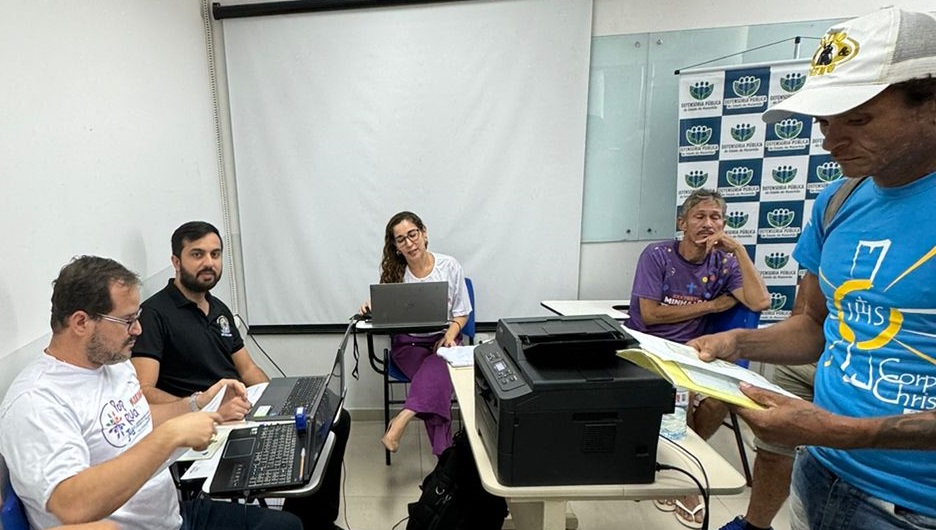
x=857 y=59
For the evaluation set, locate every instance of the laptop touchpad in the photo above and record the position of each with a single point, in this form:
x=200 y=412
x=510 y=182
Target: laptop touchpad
x=239 y=448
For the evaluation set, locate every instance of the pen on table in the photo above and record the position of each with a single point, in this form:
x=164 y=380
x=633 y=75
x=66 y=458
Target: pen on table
x=302 y=463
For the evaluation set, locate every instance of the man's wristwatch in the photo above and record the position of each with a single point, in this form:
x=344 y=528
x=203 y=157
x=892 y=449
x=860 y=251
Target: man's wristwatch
x=193 y=401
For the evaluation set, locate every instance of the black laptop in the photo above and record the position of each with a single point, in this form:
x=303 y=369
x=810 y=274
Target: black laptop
x=274 y=456
x=417 y=304
x=283 y=395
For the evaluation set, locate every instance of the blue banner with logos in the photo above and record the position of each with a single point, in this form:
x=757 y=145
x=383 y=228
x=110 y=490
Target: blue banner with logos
x=769 y=174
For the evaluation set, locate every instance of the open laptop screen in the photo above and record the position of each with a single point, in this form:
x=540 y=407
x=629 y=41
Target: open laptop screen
x=416 y=304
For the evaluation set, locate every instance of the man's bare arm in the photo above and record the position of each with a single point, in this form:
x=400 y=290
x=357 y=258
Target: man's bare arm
x=753 y=292
x=797 y=340
x=654 y=312
x=98 y=491
x=247 y=369
x=788 y=421
x=147 y=370
x=165 y=405
x=907 y=431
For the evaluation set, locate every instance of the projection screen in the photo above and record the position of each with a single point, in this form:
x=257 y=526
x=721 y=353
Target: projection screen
x=471 y=114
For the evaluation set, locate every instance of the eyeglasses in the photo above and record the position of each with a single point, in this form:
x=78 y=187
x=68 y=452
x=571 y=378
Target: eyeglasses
x=129 y=322
x=412 y=235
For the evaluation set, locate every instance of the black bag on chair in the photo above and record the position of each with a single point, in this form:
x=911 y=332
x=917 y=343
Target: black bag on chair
x=452 y=496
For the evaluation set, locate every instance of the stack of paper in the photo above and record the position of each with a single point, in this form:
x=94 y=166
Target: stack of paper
x=680 y=365
x=458 y=356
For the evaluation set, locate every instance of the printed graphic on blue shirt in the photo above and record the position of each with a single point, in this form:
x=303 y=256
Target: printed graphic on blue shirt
x=876 y=265
x=870 y=325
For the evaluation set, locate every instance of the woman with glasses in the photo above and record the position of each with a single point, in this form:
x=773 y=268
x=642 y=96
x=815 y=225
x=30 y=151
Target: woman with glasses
x=406 y=259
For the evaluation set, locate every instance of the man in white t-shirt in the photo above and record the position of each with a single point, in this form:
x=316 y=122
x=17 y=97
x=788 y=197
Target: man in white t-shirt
x=80 y=440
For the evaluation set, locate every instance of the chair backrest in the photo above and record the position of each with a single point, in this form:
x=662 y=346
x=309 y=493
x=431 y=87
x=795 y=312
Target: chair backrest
x=469 y=329
x=12 y=512
x=738 y=316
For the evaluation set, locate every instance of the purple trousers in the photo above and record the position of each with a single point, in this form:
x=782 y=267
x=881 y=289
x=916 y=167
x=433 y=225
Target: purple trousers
x=430 y=393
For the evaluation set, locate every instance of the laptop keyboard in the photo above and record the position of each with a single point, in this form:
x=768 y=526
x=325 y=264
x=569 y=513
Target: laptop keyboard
x=273 y=459
x=302 y=394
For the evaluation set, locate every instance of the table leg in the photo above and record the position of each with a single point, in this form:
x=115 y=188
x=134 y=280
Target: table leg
x=538 y=515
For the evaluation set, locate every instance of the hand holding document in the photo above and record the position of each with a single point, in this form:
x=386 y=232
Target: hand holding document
x=215 y=403
x=253 y=394
x=680 y=365
x=217 y=442
x=255 y=391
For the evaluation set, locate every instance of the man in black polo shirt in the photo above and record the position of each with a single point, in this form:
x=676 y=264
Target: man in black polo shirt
x=190 y=341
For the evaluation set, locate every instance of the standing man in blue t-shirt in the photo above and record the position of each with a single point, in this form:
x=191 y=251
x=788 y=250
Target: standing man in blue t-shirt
x=869 y=294
x=679 y=284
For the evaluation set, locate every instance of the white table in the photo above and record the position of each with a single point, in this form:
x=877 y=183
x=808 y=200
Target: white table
x=544 y=507
x=612 y=308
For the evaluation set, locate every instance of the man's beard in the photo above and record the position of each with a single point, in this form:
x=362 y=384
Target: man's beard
x=192 y=283
x=99 y=353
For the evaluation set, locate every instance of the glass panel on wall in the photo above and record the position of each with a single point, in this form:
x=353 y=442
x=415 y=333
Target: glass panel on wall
x=631 y=144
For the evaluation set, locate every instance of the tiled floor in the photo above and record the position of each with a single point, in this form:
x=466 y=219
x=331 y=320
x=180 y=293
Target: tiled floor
x=375 y=495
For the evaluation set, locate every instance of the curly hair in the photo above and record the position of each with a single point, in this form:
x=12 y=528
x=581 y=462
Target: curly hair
x=393 y=263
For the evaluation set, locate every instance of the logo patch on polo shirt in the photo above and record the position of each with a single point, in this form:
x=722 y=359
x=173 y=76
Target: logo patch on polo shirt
x=225 y=326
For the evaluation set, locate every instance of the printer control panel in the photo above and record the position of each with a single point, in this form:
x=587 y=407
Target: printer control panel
x=505 y=374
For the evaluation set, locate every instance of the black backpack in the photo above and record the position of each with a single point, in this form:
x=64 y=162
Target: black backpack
x=452 y=496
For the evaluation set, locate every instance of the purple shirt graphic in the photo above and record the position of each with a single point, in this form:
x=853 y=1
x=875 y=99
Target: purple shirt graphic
x=662 y=275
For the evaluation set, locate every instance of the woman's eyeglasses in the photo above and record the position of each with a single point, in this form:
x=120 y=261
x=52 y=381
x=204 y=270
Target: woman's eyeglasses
x=412 y=235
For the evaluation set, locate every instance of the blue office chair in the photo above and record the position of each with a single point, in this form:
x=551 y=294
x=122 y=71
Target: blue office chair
x=738 y=316
x=468 y=332
x=12 y=512
x=393 y=376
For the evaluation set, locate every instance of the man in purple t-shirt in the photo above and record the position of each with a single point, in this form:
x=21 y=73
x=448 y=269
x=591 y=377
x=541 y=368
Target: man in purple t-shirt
x=677 y=284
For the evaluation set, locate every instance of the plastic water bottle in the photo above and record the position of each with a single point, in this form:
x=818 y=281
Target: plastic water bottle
x=673 y=426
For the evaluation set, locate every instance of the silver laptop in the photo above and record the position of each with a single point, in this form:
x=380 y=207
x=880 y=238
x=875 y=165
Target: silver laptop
x=420 y=304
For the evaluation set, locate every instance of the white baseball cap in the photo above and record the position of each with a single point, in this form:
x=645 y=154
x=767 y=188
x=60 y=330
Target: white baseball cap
x=857 y=59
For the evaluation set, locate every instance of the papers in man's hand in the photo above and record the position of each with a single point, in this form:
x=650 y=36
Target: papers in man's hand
x=205 y=462
x=253 y=394
x=458 y=356
x=255 y=391
x=681 y=366
x=205 y=466
x=215 y=402
x=217 y=442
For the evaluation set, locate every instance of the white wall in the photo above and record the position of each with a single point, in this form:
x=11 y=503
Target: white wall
x=107 y=144
x=615 y=17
